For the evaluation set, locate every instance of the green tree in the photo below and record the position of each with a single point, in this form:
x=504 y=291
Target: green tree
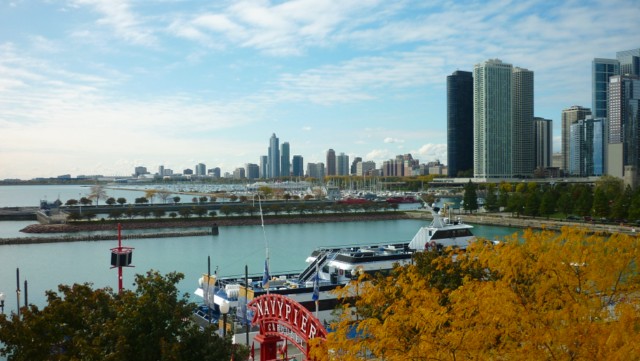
x=121 y=201
x=226 y=210
x=185 y=212
x=548 y=203
x=532 y=203
x=470 y=198
x=141 y=200
x=80 y=323
x=110 y=201
x=200 y=211
x=491 y=200
x=159 y=213
x=176 y=200
x=71 y=202
x=600 y=203
x=85 y=201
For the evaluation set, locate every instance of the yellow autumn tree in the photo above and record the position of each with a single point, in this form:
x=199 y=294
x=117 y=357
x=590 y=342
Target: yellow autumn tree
x=540 y=296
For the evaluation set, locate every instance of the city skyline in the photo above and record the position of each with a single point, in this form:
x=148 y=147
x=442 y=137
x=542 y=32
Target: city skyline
x=99 y=87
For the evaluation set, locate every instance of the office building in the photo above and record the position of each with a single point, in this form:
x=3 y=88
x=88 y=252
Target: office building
x=331 y=162
x=297 y=166
x=214 y=172
x=264 y=166
x=543 y=142
x=629 y=62
x=342 y=164
x=570 y=116
x=587 y=147
x=365 y=168
x=602 y=70
x=522 y=141
x=285 y=160
x=273 y=162
x=315 y=170
x=138 y=171
x=492 y=119
x=460 y=122
x=239 y=173
x=354 y=165
x=623 y=141
x=252 y=171
x=201 y=169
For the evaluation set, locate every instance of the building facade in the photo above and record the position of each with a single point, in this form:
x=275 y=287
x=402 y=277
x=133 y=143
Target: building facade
x=460 y=122
x=252 y=171
x=522 y=142
x=492 y=119
x=601 y=71
x=264 y=166
x=285 y=160
x=543 y=142
x=570 y=116
x=629 y=62
x=623 y=141
x=273 y=163
x=587 y=148
x=315 y=170
x=331 y=162
x=354 y=165
x=342 y=164
x=297 y=166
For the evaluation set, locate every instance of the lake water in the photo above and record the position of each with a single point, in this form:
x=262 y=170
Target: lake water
x=45 y=266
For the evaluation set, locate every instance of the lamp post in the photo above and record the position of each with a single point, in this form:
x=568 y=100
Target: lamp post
x=80 y=203
x=2 y=302
x=224 y=309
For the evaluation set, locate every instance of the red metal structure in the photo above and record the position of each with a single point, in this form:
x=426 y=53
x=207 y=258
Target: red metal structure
x=279 y=317
x=121 y=257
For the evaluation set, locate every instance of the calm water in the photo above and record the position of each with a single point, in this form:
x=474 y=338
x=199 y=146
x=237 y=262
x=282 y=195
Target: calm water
x=45 y=266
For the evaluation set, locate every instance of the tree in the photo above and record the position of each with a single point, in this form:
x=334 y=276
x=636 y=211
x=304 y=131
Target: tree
x=80 y=323
x=141 y=200
x=200 y=211
x=159 y=213
x=110 y=201
x=121 y=201
x=176 y=200
x=115 y=214
x=85 y=201
x=185 y=213
x=542 y=296
x=97 y=192
x=164 y=195
x=226 y=210
x=470 y=198
x=71 y=202
x=491 y=200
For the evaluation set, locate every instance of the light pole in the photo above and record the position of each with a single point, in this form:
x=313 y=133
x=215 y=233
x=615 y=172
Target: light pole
x=2 y=302
x=224 y=309
x=80 y=203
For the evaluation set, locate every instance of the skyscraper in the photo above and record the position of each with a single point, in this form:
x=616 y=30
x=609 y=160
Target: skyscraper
x=623 y=145
x=264 y=171
x=298 y=166
x=354 y=165
x=460 y=122
x=331 y=162
x=492 y=119
x=543 y=142
x=602 y=70
x=522 y=141
x=587 y=147
x=629 y=62
x=252 y=171
x=273 y=165
x=285 y=160
x=569 y=117
x=342 y=164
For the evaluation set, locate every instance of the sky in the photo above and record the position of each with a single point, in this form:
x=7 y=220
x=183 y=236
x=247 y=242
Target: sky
x=102 y=86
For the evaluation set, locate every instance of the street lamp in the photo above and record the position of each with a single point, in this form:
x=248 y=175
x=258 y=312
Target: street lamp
x=224 y=309
x=2 y=302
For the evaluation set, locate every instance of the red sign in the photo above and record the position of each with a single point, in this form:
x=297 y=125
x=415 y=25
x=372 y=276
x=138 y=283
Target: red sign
x=272 y=310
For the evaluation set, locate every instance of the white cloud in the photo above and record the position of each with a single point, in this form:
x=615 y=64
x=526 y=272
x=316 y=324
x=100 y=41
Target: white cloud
x=430 y=152
x=393 y=140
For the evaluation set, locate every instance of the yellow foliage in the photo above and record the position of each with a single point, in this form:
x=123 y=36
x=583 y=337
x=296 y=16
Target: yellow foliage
x=542 y=296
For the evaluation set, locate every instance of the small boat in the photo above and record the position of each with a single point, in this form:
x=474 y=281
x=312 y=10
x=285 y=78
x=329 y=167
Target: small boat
x=402 y=199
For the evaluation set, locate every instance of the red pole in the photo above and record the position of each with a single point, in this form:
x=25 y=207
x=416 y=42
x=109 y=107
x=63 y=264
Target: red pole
x=119 y=252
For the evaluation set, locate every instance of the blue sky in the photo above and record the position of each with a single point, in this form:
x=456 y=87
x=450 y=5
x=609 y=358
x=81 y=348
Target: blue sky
x=101 y=86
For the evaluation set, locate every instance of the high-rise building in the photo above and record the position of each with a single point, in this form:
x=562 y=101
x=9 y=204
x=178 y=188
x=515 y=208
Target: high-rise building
x=629 y=62
x=264 y=166
x=460 y=122
x=285 y=160
x=238 y=173
x=522 y=142
x=252 y=171
x=570 y=116
x=138 y=171
x=273 y=165
x=315 y=170
x=331 y=162
x=365 y=168
x=298 y=166
x=161 y=171
x=214 y=172
x=543 y=142
x=342 y=162
x=492 y=119
x=623 y=141
x=201 y=169
x=587 y=147
x=601 y=71
x=354 y=165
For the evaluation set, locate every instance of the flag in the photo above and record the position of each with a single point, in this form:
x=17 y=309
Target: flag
x=265 y=278
x=316 y=288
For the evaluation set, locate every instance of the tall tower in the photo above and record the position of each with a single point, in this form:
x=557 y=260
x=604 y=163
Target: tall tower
x=623 y=143
x=342 y=164
x=522 y=129
x=264 y=171
x=459 y=122
x=601 y=71
x=331 y=162
x=492 y=125
x=629 y=62
x=285 y=160
x=543 y=142
x=274 y=158
x=298 y=166
x=354 y=165
x=570 y=116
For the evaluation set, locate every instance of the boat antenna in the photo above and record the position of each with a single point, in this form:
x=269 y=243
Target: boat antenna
x=264 y=234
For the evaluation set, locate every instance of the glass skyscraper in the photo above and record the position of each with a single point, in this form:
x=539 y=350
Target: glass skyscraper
x=570 y=116
x=298 y=166
x=602 y=70
x=523 y=157
x=285 y=160
x=459 y=122
x=273 y=165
